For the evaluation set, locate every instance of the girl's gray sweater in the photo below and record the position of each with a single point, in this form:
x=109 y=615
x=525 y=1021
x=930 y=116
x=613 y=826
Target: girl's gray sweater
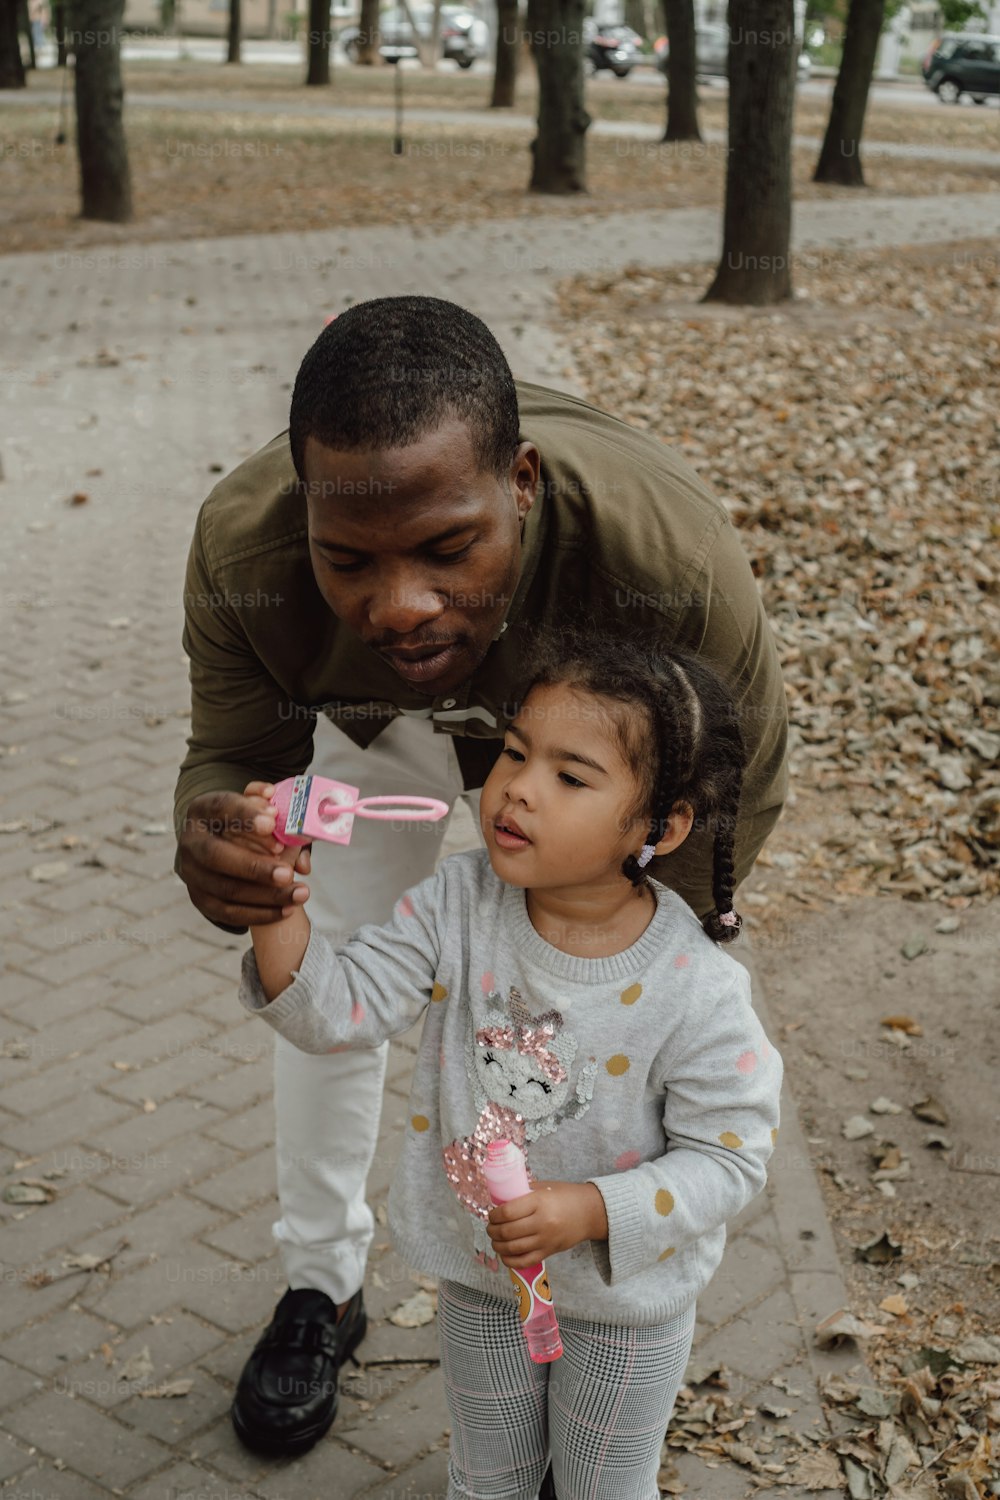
x=646 y=1073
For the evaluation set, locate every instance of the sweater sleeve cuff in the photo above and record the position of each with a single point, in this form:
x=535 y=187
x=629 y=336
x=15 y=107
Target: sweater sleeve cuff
x=293 y=1011
x=626 y=1249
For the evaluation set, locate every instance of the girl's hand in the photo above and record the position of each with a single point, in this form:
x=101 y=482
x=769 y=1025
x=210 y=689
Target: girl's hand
x=554 y=1216
x=297 y=856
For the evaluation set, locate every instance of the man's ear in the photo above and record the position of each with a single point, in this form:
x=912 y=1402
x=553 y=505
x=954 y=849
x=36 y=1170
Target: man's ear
x=679 y=825
x=525 y=468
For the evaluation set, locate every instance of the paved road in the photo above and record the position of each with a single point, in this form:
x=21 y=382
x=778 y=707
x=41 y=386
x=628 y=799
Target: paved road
x=908 y=92
x=132 y=1085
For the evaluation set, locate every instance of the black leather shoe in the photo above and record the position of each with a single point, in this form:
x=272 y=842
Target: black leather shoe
x=286 y=1398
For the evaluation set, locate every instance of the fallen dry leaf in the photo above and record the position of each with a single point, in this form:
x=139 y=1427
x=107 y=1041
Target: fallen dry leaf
x=844 y=1325
x=138 y=1366
x=819 y=1470
x=930 y=1111
x=167 y=1391
x=903 y=1023
x=417 y=1310
x=979 y=1350
x=33 y=1191
x=87 y=1262
x=879 y=1251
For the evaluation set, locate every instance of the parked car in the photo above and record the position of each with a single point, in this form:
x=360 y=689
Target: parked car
x=711 y=45
x=611 y=48
x=960 y=64
x=463 y=37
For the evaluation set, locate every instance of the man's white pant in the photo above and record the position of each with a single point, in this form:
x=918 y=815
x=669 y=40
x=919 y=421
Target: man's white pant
x=327 y=1108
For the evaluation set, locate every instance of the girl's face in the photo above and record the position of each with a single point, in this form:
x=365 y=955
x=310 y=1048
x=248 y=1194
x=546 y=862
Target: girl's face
x=553 y=809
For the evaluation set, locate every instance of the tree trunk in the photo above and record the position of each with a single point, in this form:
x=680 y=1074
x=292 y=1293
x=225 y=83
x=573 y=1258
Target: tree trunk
x=555 y=29
x=24 y=22
x=508 y=54
x=59 y=27
x=434 y=43
x=840 y=157
x=682 y=80
x=635 y=15
x=428 y=48
x=235 y=32
x=11 y=62
x=271 y=28
x=318 y=72
x=368 y=38
x=105 y=182
x=755 y=269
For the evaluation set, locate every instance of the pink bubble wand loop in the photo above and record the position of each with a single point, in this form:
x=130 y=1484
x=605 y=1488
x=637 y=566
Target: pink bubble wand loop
x=315 y=807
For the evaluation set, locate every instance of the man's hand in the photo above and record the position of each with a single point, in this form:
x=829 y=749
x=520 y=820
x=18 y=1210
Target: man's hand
x=554 y=1216
x=237 y=873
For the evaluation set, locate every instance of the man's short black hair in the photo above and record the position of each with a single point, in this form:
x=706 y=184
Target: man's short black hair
x=387 y=372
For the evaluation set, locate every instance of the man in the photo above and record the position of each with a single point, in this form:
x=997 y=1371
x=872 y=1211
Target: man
x=359 y=596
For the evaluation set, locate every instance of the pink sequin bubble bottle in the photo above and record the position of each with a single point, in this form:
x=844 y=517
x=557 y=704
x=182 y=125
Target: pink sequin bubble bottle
x=507 y=1178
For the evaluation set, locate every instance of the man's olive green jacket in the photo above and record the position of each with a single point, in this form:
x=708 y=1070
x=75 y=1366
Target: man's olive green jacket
x=621 y=529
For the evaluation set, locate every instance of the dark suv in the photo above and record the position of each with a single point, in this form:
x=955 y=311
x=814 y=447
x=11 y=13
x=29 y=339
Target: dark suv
x=958 y=65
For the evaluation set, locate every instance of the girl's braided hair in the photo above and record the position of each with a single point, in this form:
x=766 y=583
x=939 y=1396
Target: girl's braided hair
x=684 y=745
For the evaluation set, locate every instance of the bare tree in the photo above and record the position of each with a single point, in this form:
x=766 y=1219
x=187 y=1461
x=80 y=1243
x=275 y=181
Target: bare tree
x=508 y=54
x=682 y=72
x=635 y=15
x=318 y=66
x=840 y=157
x=555 y=32
x=368 y=36
x=427 y=47
x=105 y=180
x=58 y=10
x=755 y=267
x=24 y=23
x=11 y=63
x=235 y=32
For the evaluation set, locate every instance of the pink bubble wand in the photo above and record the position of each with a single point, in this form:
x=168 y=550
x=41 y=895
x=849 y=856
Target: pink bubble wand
x=506 y=1177
x=314 y=807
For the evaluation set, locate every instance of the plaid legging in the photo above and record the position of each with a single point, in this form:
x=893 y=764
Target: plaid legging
x=600 y=1411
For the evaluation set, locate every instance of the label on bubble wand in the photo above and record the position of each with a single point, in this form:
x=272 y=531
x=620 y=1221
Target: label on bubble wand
x=532 y=1288
x=296 y=815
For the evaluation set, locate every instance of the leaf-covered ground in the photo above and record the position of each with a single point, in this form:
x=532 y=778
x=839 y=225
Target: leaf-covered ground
x=853 y=436
x=231 y=171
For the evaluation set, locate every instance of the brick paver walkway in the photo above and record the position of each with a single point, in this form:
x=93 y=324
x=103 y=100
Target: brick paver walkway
x=134 y=1094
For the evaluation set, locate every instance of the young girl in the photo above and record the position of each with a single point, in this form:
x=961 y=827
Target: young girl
x=581 y=1010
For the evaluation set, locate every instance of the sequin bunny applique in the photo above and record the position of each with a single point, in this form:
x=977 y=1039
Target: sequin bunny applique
x=519 y=1067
